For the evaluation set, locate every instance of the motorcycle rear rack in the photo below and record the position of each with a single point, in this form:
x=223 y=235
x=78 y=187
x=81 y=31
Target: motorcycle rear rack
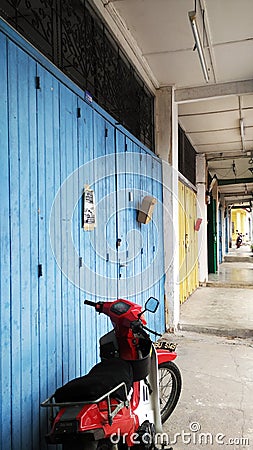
x=50 y=403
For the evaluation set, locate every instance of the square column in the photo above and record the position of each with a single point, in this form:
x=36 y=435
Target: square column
x=167 y=150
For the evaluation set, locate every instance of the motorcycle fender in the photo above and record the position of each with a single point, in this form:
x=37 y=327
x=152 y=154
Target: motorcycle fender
x=165 y=355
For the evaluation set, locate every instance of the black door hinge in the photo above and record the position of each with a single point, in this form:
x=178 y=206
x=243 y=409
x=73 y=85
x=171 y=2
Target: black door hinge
x=37 y=82
x=78 y=113
x=40 y=270
x=106 y=132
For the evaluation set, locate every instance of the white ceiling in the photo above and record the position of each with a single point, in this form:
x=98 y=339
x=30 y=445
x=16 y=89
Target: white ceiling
x=161 y=40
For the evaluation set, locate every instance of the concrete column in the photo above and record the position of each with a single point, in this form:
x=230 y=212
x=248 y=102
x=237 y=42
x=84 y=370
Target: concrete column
x=202 y=214
x=167 y=149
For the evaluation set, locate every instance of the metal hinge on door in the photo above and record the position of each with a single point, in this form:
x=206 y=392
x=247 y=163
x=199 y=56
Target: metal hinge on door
x=37 y=82
x=40 y=273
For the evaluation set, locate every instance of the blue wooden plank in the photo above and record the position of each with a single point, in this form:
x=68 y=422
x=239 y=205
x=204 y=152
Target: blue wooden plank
x=131 y=201
x=110 y=232
x=121 y=212
x=24 y=90
x=57 y=287
x=88 y=319
x=5 y=266
x=72 y=305
x=50 y=301
x=15 y=242
x=33 y=211
x=67 y=316
x=42 y=309
x=98 y=185
x=100 y=230
x=48 y=123
x=158 y=243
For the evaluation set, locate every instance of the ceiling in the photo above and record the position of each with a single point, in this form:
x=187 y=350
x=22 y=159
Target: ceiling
x=158 y=35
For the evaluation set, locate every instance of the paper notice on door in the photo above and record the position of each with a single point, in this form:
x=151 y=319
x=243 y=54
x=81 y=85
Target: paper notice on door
x=89 y=211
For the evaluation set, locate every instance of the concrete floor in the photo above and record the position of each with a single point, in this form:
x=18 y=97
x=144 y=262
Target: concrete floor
x=225 y=306
x=219 y=310
x=237 y=274
x=217 y=394
x=215 y=356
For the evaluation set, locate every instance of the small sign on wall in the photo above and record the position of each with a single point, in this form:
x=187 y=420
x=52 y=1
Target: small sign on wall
x=89 y=211
x=146 y=209
x=197 y=224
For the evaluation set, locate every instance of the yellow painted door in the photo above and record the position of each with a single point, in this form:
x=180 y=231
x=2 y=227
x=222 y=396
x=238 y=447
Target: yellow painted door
x=188 y=242
x=182 y=258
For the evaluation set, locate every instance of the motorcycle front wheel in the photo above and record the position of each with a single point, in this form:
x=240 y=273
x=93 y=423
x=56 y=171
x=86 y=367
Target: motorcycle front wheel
x=170 y=385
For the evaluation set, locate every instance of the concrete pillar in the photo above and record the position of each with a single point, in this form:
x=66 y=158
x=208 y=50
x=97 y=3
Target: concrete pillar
x=167 y=149
x=202 y=214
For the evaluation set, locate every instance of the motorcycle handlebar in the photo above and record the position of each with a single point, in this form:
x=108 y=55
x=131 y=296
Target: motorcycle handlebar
x=88 y=302
x=152 y=331
x=98 y=306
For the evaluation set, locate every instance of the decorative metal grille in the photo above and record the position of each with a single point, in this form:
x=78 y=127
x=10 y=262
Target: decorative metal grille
x=186 y=157
x=75 y=39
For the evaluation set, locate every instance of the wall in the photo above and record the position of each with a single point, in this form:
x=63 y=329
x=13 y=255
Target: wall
x=52 y=144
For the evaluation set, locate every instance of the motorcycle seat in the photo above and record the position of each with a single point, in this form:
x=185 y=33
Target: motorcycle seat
x=103 y=377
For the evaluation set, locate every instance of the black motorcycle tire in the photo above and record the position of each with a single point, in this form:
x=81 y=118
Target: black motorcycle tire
x=170 y=385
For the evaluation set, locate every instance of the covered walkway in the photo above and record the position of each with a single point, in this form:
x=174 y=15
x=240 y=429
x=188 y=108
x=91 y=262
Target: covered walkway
x=225 y=306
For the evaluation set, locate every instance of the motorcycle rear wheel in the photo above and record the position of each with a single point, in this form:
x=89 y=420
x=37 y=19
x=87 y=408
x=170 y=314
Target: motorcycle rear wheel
x=170 y=385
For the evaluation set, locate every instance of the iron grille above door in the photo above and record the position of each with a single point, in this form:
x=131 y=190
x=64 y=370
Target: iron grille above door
x=186 y=157
x=76 y=40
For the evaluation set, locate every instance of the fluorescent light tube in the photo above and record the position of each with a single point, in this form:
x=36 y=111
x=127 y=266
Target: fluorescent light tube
x=242 y=133
x=192 y=17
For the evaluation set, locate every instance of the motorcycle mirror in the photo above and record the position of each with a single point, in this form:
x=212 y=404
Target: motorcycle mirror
x=151 y=304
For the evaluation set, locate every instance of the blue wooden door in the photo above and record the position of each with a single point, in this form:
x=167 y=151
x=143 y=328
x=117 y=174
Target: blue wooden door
x=52 y=144
x=226 y=230
x=140 y=255
x=220 y=236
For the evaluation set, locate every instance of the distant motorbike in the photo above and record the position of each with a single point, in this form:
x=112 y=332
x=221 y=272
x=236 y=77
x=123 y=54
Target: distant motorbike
x=127 y=396
x=239 y=241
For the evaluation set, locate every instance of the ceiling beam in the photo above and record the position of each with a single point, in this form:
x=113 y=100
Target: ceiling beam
x=205 y=92
x=235 y=181
x=237 y=194
x=212 y=157
x=241 y=206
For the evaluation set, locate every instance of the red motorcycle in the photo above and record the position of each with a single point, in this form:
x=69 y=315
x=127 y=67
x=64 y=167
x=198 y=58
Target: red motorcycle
x=123 y=401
